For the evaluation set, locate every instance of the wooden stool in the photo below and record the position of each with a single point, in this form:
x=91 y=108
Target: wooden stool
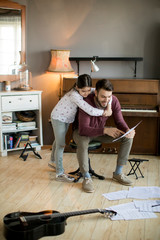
x=135 y=165
x=92 y=146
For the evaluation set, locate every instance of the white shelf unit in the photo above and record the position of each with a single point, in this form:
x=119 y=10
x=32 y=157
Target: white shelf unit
x=15 y=101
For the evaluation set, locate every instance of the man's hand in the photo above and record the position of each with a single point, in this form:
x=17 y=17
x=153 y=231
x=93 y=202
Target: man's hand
x=113 y=132
x=131 y=134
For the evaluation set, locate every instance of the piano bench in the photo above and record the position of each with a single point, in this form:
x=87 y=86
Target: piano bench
x=135 y=165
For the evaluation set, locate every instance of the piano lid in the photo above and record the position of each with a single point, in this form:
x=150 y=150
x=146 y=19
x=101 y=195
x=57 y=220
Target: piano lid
x=142 y=86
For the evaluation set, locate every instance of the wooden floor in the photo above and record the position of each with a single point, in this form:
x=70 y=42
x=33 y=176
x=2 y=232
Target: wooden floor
x=30 y=186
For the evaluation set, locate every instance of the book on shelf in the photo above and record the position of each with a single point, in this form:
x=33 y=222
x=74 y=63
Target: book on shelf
x=25 y=124
x=5 y=141
x=8 y=141
x=32 y=138
x=8 y=126
x=34 y=144
x=26 y=128
x=33 y=141
x=21 y=137
x=17 y=142
x=24 y=137
x=22 y=144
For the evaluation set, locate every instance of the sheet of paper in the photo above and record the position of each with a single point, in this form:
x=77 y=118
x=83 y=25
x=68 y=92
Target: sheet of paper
x=134 y=192
x=120 y=209
x=116 y=195
x=146 y=205
x=126 y=132
x=117 y=217
x=128 y=211
x=156 y=208
x=144 y=192
x=133 y=214
x=123 y=206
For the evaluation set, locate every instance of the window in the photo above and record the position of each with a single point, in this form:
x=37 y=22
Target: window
x=10 y=41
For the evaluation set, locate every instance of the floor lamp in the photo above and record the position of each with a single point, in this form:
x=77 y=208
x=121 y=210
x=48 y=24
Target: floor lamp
x=60 y=64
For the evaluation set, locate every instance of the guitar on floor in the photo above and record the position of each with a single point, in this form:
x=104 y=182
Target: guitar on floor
x=32 y=226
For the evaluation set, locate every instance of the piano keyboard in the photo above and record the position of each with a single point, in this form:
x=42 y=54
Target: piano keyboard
x=139 y=110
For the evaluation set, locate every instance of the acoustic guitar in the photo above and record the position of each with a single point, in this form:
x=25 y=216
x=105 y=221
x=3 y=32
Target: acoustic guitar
x=32 y=226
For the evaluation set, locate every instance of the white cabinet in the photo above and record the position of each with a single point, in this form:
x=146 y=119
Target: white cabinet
x=15 y=101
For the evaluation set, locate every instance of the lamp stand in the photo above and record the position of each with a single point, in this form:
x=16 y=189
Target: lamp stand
x=60 y=88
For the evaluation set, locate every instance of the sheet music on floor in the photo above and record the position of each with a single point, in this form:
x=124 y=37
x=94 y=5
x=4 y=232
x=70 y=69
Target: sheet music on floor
x=116 y=195
x=148 y=205
x=128 y=211
x=126 y=132
x=144 y=192
x=134 y=192
x=121 y=209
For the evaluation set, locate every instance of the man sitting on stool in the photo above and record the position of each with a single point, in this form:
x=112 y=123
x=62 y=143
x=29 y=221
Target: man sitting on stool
x=93 y=128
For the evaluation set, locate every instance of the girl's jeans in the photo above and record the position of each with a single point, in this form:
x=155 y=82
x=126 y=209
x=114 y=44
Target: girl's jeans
x=60 y=130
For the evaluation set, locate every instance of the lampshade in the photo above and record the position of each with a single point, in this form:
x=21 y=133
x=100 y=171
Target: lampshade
x=94 y=67
x=60 y=61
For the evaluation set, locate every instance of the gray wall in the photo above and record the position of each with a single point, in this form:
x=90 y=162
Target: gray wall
x=105 y=28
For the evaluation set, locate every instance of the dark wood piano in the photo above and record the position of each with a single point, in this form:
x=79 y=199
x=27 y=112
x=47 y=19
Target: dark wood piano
x=140 y=100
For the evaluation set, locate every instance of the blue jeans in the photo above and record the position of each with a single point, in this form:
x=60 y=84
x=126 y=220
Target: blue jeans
x=60 y=130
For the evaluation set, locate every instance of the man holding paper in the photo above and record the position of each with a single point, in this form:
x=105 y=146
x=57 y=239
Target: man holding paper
x=88 y=128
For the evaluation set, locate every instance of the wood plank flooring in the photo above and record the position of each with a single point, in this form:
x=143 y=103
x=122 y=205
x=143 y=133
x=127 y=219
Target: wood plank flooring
x=30 y=186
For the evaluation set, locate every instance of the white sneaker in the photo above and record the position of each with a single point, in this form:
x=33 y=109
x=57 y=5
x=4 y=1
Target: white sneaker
x=64 y=178
x=52 y=165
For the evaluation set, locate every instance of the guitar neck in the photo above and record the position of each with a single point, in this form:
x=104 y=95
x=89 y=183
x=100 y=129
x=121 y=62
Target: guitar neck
x=76 y=213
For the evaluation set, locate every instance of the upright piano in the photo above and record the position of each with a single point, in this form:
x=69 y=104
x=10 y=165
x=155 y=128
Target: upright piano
x=140 y=100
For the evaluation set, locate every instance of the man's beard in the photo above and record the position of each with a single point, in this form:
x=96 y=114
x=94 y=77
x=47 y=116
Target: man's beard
x=98 y=104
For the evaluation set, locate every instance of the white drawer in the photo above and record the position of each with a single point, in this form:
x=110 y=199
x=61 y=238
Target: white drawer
x=25 y=102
